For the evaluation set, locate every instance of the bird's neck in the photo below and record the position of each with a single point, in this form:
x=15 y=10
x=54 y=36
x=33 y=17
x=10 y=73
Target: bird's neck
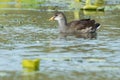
x=62 y=25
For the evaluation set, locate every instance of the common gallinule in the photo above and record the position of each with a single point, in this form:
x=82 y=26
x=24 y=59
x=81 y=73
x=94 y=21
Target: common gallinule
x=84 y=28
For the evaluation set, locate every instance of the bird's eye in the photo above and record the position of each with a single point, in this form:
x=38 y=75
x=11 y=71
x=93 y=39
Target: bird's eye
x=56 y=15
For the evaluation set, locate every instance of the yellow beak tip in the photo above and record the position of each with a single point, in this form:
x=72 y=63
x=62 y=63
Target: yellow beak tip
x=51 y=19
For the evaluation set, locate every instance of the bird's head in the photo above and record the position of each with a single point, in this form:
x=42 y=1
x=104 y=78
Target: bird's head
x=58 y=16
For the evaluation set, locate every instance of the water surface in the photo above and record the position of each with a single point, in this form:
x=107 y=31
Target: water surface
x=27 y=34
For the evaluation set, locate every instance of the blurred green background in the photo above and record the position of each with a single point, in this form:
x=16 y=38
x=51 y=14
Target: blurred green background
x=52 y=4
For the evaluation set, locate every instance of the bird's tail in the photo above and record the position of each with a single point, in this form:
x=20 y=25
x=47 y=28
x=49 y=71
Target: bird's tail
x=97 y=26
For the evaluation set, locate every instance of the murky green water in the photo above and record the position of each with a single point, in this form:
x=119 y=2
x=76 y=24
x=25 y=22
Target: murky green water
x=27 y=33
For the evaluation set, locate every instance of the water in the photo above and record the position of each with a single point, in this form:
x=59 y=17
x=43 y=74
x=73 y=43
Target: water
x=27 y=33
